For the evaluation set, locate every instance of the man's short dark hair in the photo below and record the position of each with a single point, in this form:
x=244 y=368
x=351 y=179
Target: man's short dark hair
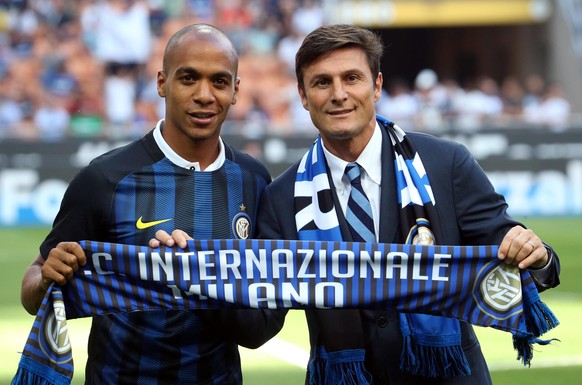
x=329 y=38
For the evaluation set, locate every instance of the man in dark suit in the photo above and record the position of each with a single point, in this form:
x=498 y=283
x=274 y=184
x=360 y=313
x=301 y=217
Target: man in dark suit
x=339 y=82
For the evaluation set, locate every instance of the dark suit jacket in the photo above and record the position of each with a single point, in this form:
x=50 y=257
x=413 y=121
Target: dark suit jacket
x=470 y=212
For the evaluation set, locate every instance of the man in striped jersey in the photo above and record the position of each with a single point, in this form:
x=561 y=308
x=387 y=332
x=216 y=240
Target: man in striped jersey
x=179 y=175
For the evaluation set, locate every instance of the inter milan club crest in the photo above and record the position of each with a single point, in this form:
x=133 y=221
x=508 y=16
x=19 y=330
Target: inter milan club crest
x=241 y=224
x=421 y=234
x=55 y=344
x=500 y=290
x=423 y=237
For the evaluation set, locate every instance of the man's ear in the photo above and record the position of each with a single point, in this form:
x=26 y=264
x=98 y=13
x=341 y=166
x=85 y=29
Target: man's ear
x=161 y=80
x=236 y=89
x=302 y=96
x=378 y=87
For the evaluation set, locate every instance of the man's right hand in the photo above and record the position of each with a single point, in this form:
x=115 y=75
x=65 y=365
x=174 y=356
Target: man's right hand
x=58 y=267
x=61 y=263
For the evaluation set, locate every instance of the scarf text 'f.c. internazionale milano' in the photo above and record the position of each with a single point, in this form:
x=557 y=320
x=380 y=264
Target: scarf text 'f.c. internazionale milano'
x=468 y=283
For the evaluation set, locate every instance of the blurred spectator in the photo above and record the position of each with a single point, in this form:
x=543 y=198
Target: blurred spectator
x=51 y=118
x=235 y=14
x=398 y=103
x=553 y=110
x=122 y=32
x=307 y=17
x=11 y=115
x=512 y=96
x=56 y=80
x=262 y=38
x=89 y=20
x=120 y=99
x=480 y=105
x=256 y=120
x=203 y=10
x=123 y=40
x=430 y=97
x=288 y=47
x=300 y=121
x=6 y=53
x=493 y=106
x=534 y=90
x=150 y=107
x=24 y=88
x=87 y=109
x=453 y=97
x=58 y=14
x=22 y=24
x=235 y=18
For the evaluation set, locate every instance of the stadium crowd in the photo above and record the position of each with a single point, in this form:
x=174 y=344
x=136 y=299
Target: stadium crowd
x=88 y=67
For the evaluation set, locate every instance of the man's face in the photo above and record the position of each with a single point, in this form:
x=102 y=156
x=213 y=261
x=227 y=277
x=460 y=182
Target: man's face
x=340 y=95
x=199 y=85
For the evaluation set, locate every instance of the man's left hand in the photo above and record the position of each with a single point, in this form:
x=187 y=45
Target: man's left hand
x=523 y=248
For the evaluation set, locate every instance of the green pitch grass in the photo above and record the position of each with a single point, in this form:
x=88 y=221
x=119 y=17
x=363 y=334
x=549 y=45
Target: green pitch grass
x=282 y=360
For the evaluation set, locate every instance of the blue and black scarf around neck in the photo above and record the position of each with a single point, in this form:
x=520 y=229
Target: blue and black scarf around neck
x=431 y=344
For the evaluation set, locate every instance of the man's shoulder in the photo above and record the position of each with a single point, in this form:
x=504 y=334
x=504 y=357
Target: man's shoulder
x=127 y=158
x=127 y=153
x=286 y=180
x=432 y=143
x=418 y=136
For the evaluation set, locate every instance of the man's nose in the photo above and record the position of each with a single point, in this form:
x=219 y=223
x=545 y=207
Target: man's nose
x=339 y=91
x=203 y=93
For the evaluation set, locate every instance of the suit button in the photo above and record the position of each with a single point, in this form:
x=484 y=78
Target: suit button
x=381 y=321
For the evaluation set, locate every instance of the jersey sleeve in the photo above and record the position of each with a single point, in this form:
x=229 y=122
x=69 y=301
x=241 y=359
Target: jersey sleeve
x=84 y=210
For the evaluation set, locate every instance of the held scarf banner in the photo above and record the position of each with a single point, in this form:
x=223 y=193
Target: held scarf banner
x=468 y=283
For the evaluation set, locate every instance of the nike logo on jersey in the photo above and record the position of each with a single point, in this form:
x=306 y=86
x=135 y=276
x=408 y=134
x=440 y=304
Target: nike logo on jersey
x=144 y=225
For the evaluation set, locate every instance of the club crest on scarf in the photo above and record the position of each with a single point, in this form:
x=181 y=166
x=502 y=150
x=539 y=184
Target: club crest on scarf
x=47 y=358
x=421 y=234
x=55 y=344
x=499 y=290
x=241 y=224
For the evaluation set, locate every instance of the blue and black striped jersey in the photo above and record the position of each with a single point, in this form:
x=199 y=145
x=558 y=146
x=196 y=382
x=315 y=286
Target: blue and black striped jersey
x=125 y=196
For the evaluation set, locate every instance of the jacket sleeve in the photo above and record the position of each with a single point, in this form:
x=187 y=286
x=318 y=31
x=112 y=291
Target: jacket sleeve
x=482 y=214
x=548 y=276
x=276 y=216
x=250 y=328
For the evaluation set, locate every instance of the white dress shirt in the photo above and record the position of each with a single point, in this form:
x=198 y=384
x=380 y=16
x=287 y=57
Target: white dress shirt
x=370 y=160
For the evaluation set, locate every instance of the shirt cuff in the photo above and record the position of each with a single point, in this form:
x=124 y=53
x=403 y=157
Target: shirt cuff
x=543 y=275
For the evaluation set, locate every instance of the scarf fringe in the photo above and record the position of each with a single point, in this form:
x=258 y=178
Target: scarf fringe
x=31 y=372
x=345 y=367
x=433 y=361
x=538 y=320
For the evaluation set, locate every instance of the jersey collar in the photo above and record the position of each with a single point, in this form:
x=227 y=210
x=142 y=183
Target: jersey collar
x=181 y=162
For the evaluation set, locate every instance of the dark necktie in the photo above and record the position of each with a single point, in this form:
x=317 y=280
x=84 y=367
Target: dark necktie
x=359 y=211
